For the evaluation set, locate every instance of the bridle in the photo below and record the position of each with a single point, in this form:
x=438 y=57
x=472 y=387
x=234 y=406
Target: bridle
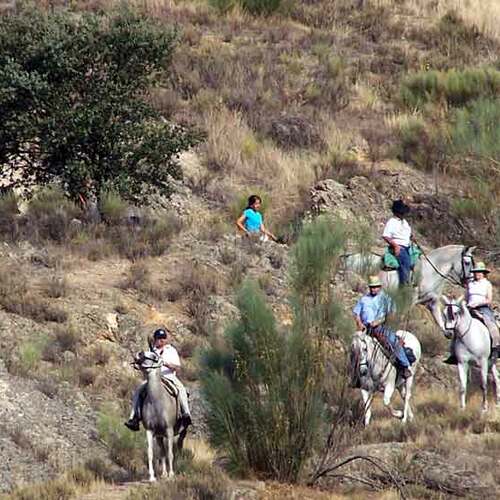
x=450 y=278
x=150 y=356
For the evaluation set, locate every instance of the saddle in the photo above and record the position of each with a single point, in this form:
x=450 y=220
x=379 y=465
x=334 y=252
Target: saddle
x=391 y=263
x=388 y=349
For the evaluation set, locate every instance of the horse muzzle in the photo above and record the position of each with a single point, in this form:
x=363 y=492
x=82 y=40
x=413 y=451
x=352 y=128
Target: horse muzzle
x=448 y=333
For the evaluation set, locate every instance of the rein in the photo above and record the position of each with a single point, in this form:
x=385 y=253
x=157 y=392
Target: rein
x=460 y=337
x=451 y=279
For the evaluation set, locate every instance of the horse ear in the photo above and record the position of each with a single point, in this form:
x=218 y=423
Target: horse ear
x=445 y=300
x=471 y=249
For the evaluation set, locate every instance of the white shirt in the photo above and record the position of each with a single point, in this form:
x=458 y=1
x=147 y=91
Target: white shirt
x=398 y=230
x=478 y=292
x=169 y=355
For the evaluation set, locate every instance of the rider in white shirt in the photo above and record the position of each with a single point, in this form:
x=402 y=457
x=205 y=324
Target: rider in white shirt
x=479 y=296
x=397 y=233
x=479 y=299
x=171 y=365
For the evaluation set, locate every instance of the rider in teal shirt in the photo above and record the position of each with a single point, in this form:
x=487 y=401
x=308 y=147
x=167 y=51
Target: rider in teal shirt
x=251 y=221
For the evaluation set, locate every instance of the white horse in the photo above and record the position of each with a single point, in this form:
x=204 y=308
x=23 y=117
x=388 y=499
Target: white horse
x=375 y=371
x=451 y=263
x=470 y=342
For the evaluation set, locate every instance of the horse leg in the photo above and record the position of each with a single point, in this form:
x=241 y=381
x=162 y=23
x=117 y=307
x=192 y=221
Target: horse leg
x=463 y=369
x=367 y=400
x=163 y=460
x=170 y=451
x=150 y=438
x=388 y=392
x=496 y=381
x=406 y=393
x=433 y=307
x=484 y=384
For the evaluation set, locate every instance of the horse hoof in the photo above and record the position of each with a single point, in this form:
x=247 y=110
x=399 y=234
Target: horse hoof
x=152 y=479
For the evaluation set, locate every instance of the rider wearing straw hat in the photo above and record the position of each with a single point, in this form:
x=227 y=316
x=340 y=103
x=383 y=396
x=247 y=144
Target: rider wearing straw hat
x=479 y=296
x=370 y=313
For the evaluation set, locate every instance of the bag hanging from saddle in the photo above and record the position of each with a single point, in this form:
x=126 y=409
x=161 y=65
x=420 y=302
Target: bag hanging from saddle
x=391 y=261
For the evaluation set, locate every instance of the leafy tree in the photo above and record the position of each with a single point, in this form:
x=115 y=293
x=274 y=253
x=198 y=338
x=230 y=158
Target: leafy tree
x=72 y=105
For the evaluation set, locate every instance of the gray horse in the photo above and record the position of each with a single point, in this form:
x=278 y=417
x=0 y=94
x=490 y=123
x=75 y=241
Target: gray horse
x=371 y=366
x=471 y=343
x=159 y=414
x=451 y=263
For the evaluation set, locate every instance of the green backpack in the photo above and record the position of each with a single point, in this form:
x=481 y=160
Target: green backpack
x=391 y=262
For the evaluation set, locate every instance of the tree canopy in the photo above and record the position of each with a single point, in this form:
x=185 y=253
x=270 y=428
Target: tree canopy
x=73 y=107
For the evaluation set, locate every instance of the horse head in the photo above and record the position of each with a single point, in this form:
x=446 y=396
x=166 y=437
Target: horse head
x=467 y=264
x=454 y=310
x=147 y=361
x=359 y=354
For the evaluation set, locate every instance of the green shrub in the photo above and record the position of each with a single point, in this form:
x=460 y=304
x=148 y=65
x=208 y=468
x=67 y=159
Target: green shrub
x=264 y=386
x=453 y=87
x=476 y=129
x=125 y=448
x=261 y=7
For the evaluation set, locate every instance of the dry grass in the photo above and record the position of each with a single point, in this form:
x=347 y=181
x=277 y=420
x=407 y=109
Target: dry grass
x=484 y=14
x=72 y=484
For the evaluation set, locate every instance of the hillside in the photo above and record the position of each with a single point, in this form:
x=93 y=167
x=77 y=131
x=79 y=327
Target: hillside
x=320 y=106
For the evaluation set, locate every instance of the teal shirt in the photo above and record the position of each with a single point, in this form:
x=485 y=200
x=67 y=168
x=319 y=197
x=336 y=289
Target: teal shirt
x=373 y=307
x=253 y=220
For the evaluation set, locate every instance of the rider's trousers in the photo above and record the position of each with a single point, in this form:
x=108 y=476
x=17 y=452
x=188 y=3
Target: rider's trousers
x=395 y=345
x=404 y=268
x=489 y=319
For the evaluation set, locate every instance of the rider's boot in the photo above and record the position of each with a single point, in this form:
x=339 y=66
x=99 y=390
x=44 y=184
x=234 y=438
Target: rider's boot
x=451 y=360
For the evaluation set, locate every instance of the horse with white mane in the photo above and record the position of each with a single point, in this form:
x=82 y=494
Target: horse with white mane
x=451 y=263
x=471 y=343
x=374 y=370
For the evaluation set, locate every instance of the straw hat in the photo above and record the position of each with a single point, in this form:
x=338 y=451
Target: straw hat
x=480 y=268
x=374 y=281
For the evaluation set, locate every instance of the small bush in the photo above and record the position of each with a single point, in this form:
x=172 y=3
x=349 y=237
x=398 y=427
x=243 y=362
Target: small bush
x=223 y=6
x=68 y=338
x=261 y=7
x=48 y=386
x=49 y=216
x=9 y=216
x=209 y=483
x=17 y=298
x=112 y=207
x=453 y=87
x=56 y=286
x=73 y=483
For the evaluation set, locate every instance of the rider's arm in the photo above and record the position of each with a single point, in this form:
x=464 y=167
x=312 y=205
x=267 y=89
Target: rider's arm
x=240 y=223
x=359 y=323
